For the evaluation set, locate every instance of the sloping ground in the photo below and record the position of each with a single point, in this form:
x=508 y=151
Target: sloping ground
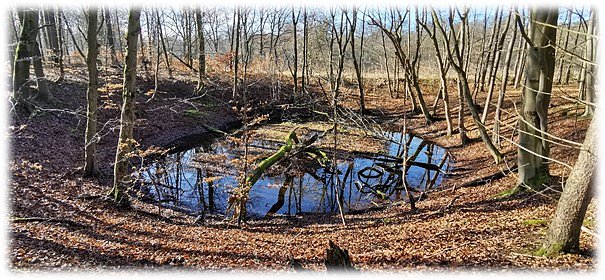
x=459 y=227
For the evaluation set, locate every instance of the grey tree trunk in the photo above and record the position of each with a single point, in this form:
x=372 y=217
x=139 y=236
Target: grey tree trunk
x=53 y=39
x=456 y=59
x=59 y=29
x=590 y=75
x=498 y=112
x=201 y=51
x=29 y=49
x=43 y=91
x=357 y=60
x=90 y=139
x=562 y=60
x=127 y=117
x=295 y=18
x=442 y=75
x=162 y=41
x=494 y=71
x=236 y=35
x=533 y=148
x=564 y=230
x=110 y=37
x=21 y=88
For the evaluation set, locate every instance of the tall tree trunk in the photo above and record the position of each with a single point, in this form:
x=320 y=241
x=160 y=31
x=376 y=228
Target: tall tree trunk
x=90 y=139
x=236 y=35
x=357 y=60
x=73 y=38
x=590 y=75
x=575 y=43
x=22 y=61
x=53 y=40
x=110 y=37
x=489 y=60
x=495 y=65
x=457 y=61
x=41 y=81
x=498 y=113
x=127 y=117
x=442 y=76
x=519 y=62
x=59 y=28
x=161 y=35
x=564 y=230
x=305 y=66
x=562 y=60
x=201 y=51
x=533 y=148
x=295 y=18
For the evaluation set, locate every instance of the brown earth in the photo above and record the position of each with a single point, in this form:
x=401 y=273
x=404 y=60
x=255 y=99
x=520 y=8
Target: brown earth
x=458 y=227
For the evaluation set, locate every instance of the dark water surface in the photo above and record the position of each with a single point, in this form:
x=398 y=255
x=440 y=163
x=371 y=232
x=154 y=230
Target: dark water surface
x=199 y=179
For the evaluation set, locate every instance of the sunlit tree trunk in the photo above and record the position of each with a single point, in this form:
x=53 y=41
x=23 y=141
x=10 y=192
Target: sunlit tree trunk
x=110 y=37
x=456 y=59
x=127 y=118
x=53 y=39
x=90 y=139
x=590 y=68
x=495 y=65
x=357 y=59
x=533 y=148
x=22 y=61
x=236 y=34
x=564 y=231
x=498 y=112
x=442 y=75
x=201 y=51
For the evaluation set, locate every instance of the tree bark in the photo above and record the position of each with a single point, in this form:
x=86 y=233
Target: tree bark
x=127 y=117
x=110 y=37
x=53 y=40
x=533 y=148
x=201 y=51
x=498 y=113
x=590 y=68
x=495 y=65
x=564 y=231
x=22 y=62
x=442 y=75
x=162 y=41
x=357 y=60
x=90 y=140
x=457 y=62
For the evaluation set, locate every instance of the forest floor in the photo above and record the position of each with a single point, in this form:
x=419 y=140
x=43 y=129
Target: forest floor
x=60 y=222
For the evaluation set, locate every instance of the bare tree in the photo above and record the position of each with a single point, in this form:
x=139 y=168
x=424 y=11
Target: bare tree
x=90 y=141
x=564 y=231
x=533 y=151
x=456 y=59
x=127 y=117
x=201 y=51
x=358 y=60
x=498 y=112
x=110 y=37
x=589 y=66
x=492 y=79
x=442 y=73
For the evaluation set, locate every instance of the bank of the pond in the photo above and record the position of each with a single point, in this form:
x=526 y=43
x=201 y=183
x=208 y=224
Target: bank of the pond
x=458 y=227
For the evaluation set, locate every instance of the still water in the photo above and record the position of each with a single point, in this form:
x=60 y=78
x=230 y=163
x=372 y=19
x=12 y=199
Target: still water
x=200 y=179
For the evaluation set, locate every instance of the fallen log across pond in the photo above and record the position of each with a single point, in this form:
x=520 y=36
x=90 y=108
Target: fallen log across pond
x=239 y=197
x=381 y=164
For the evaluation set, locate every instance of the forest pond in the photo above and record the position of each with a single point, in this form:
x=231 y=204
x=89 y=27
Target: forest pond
x=199 y=180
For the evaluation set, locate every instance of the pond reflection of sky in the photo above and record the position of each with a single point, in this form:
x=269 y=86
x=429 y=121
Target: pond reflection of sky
x=312 y=191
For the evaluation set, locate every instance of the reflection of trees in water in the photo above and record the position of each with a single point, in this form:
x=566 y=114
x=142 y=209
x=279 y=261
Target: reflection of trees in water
x=189 y=179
